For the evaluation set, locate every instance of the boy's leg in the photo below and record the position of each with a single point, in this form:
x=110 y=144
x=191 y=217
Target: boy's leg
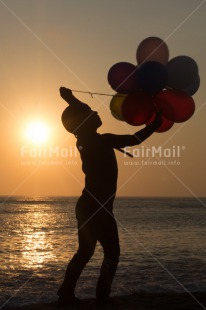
x=109 y=239
x=87 y=244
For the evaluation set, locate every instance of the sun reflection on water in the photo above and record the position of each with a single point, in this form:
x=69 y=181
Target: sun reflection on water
x=37 y=233
x=36 y=249
x=36 y=242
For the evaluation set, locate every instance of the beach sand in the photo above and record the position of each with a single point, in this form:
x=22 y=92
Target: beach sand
x=141 y=301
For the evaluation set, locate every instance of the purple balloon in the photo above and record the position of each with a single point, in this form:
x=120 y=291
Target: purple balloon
x=182 y=72
x=122 y=77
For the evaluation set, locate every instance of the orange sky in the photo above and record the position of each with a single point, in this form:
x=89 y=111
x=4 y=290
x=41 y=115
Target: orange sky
x=48 y=44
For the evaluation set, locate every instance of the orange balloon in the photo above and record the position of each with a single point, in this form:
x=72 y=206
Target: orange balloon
x=152 y=49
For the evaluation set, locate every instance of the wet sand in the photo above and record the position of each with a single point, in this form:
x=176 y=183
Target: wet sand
x=141 y=301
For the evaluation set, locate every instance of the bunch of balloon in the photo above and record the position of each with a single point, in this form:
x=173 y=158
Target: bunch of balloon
x=155 y=83
x=176 y=100
x=129 y=104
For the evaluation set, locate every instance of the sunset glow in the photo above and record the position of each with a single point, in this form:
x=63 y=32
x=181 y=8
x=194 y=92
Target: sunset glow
x=51 y=44
x=37 y=132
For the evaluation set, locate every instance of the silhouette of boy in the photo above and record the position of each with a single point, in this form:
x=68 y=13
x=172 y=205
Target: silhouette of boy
x=94 y=208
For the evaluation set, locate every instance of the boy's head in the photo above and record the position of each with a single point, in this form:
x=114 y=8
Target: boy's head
x=80 y=119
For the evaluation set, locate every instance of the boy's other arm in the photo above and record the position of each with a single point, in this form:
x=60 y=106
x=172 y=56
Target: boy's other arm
x=119 y=141
x=146 y=132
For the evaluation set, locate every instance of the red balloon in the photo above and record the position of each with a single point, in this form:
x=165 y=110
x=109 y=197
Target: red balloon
x=122 y=77
x=165 y=126
x=176 y=106
x=137 y=108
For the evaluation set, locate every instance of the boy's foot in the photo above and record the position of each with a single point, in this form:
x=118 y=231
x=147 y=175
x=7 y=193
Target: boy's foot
x=68 y=301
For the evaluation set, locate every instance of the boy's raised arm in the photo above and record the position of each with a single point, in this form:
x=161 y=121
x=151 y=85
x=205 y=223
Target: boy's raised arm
x=67 y=95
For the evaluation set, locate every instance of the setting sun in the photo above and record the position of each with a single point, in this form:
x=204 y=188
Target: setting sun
x=37 y=132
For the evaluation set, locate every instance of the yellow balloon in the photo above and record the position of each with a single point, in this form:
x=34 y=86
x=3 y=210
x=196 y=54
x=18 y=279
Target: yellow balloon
x=116 y=106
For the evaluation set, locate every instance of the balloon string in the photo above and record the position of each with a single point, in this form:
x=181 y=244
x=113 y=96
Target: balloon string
x=91 y=93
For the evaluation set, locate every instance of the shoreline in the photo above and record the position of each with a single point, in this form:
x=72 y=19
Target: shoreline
x=138 y=301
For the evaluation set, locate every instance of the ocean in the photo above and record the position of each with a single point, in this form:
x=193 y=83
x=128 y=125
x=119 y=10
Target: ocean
x=163 y=247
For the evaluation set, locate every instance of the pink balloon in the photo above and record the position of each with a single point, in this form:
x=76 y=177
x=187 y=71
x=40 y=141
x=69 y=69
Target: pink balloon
x=152 y=49
x=137 y=108
x=122 y=77
x=176 y=106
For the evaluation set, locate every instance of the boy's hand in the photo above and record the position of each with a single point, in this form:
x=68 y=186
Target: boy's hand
x=65 y=93
x=158 y=118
